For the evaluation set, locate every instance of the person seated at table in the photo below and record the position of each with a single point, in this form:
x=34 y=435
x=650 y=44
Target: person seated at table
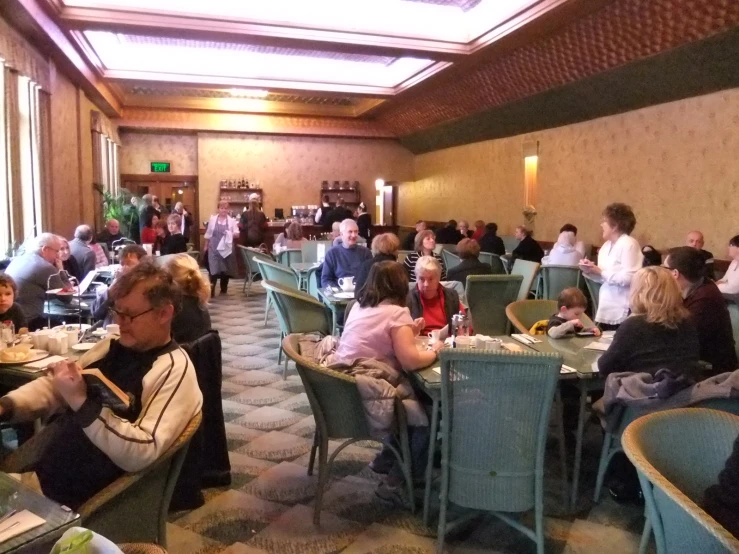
x=695 y=240
x=468 y=250
x=449 y=233
x=130 y=256
x=380 y=327
x=729 y=283
x=652 y=256
x=345 y=259
x=34 y=272
x=148 y=232
x=579 y=245
x=618 y=260
x=707 y=308
x=658 y=334
x=429 y=299
x=571 y=304
x=410 y=240
x=721 y=500
x=81 y=250
x=335 y=234
x=111 y=233
x=423 y=246
x=69 y=262
x=528 y=249
x=192 y=321
x=88 y=446
x=10 y=311
x=384 y=249
x=292 y=237
x=174 y=242
x=490 y=242
x=464 y=228
x=162 y=232
x=479 y=230
x=563 y=252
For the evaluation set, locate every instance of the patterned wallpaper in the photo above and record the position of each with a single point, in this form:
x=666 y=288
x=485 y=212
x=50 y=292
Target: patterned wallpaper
x=675 y=163
x=139 y=149
x=290 y=169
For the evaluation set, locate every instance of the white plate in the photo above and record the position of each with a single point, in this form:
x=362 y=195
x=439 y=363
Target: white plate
x=83 y=346
x=62 y=292
x=99 y=332
x=71 y=327
x=344 y=295
x=36 y=355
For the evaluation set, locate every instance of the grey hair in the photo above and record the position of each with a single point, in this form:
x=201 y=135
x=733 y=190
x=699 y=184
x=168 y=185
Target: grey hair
x=83 y=233
x=44 y=239
x=346 y=224
x=427 y=263
x=147 y=199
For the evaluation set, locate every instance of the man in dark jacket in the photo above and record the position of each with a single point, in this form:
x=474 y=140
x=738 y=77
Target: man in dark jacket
x=491 y=242
x=338 y=214
x=449 y=234
x=528 y=249
x=707 y=308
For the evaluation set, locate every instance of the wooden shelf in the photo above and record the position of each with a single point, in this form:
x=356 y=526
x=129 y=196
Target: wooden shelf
x=241 y=190
x=340 y=190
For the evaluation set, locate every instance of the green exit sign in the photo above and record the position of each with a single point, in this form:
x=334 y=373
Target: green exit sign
x=161 y=167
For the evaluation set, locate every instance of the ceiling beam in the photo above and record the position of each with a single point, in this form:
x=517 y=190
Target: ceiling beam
x=210 y=29
x=34 y=22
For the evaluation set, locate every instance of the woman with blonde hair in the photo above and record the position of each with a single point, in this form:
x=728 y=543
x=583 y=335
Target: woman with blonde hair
x=193 y=319
x=658 y=334
x=384 y=249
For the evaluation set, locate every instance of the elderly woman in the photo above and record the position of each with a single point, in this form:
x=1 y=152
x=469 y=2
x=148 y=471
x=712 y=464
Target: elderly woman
x=429 y=299
x=468 y=250
x=219 y=237
x=618 y=260
x=424 y=245
x=193 y=319
x=380 y=327
x=384 y=249
x=564 y=251
x=464 y=228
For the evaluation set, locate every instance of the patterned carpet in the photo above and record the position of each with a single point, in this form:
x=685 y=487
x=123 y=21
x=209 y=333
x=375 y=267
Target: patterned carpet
x=268 y=508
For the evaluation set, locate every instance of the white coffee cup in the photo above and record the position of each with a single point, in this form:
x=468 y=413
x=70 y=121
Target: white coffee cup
x=73 y=337
x=148 y=248
x=493 y=344
x=463 y=341
x=113 y=329
x=41 y=339
x=434 y=336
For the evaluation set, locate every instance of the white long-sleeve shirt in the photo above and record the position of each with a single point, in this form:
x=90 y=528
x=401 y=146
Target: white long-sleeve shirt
x=618 y=261
x=729 y=283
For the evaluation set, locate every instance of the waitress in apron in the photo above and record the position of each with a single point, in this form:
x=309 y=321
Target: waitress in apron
x=219 y=239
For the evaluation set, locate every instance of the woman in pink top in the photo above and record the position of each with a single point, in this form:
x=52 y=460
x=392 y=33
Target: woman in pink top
x=380 y=326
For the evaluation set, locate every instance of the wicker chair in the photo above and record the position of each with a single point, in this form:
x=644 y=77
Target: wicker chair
x=134 y=507
x=250 y=255
x=678 y=454
x=297 y=312
x=450 y=259
x=487 y=298
x=494 y=261
x=509 y=396
x=556 y=278
x=312 y=282
x=276 y=273
x=141 y=548
x=309 y=249
x=528 y=270
x=524 y=313
x=337 y=409
x=290 y=256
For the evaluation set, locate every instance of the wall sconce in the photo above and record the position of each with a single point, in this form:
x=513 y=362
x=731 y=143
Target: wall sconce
x=531 y=168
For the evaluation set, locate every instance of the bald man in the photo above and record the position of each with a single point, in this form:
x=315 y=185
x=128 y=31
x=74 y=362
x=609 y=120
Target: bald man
x=111 y=233
x=695 y=240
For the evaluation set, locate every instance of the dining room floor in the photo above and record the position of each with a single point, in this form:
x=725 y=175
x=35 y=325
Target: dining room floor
x=268 y=507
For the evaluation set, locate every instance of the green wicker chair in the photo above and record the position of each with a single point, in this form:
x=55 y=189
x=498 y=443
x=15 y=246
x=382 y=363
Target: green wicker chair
x=509 y=396
x=510 y=242
x=494 y=261
x=487 y=298
x=528 y=271
x=277 y=273
x=134 y=507
x=524 y=313
x=290 y=256
x=309 y=249
x=337 y=409
x=250 y=255
x=313 y=285
x=297 y=312
x=594 y=291
x=612 y=439
x=556 y=278
x=450 y=259
x=678 y=454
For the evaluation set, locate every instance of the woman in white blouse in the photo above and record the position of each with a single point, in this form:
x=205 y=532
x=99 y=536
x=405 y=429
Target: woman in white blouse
x=729 y=283
x=619 y=259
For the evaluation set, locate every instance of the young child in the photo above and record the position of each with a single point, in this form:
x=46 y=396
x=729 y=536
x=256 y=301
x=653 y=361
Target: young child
x=571 y=304
x=9 y=310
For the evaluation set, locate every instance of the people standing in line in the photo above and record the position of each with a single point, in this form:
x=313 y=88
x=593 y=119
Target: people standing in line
x=490 y=242
x=253 y=224
x=364 y=222
x=528 y=249
x=619 y=259
x=186 y=220
x=219 y=238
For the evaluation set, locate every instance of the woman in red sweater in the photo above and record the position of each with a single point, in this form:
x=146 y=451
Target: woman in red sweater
x=149 y=234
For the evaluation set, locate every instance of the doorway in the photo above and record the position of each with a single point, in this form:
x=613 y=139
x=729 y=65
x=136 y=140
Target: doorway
x=170 y=189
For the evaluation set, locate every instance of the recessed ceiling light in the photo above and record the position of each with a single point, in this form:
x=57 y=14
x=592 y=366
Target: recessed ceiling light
x=247 y=93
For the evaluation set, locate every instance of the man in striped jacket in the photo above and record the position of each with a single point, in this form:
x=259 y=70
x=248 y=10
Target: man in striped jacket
x=89 y=446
